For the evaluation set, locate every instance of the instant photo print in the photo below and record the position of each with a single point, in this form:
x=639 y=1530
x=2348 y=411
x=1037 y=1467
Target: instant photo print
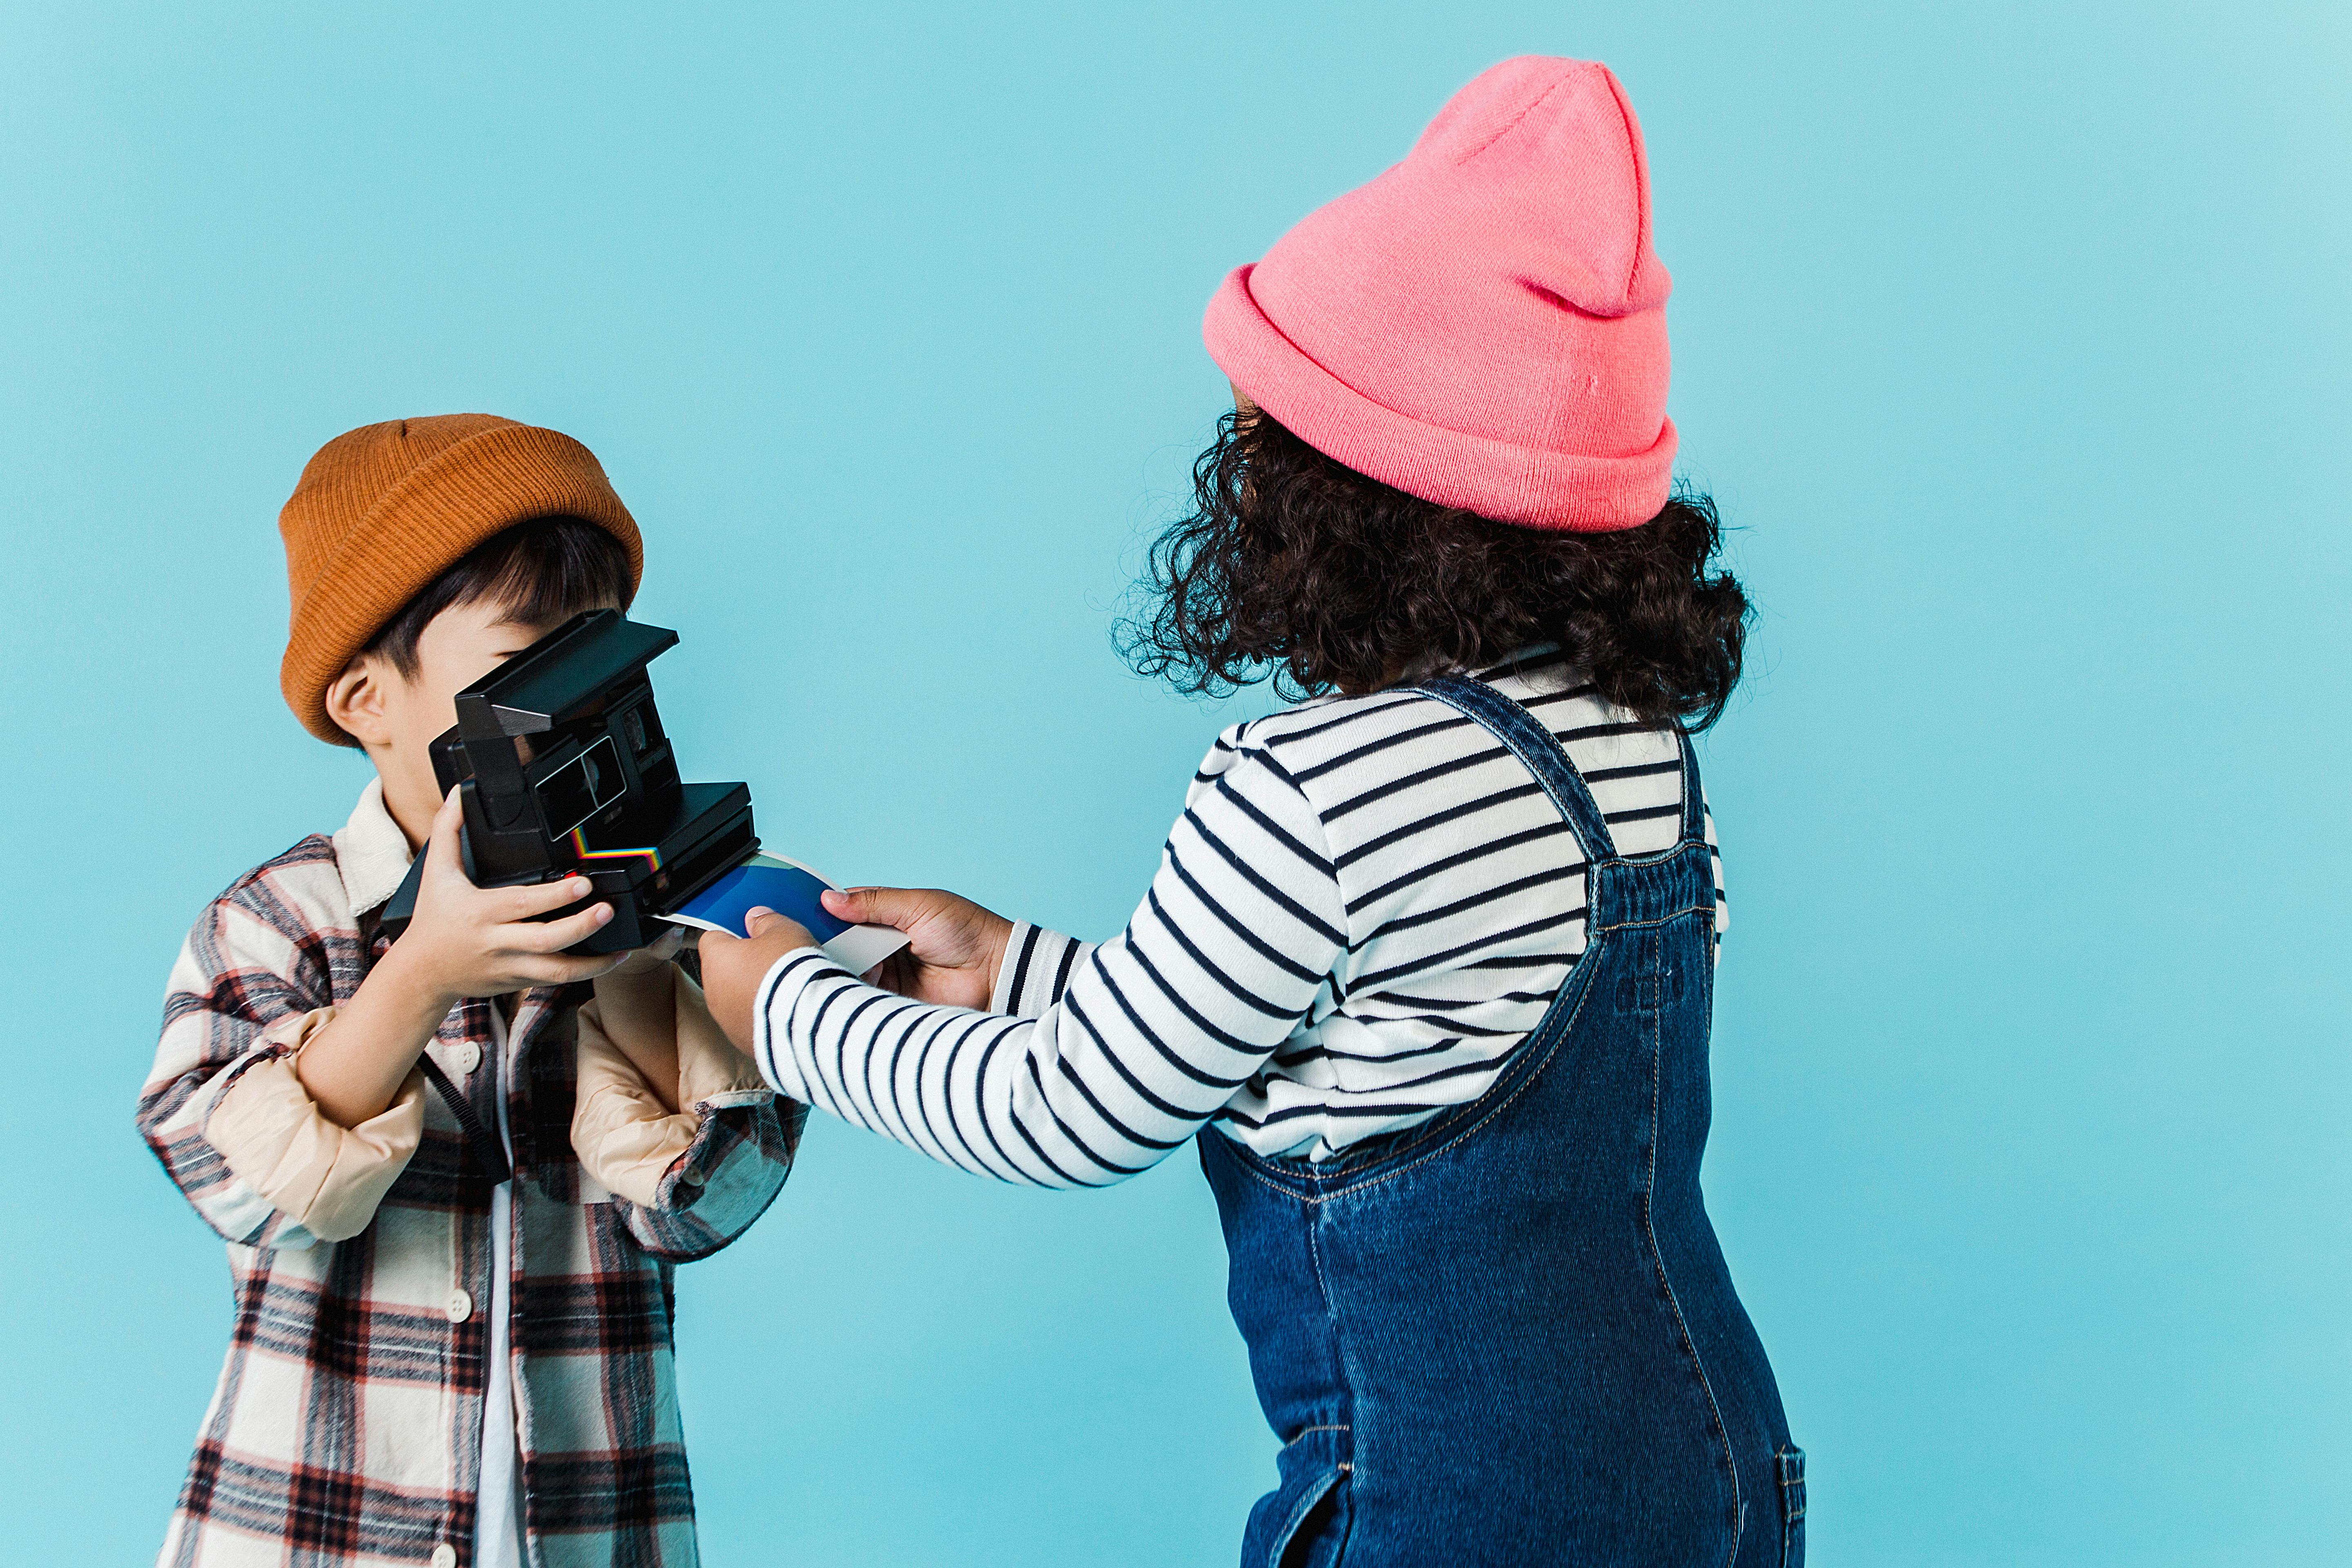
x=561 y=761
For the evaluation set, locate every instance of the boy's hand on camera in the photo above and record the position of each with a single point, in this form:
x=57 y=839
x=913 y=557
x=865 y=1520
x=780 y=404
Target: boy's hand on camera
x=953 y=949
x=733 y=966
x=483 y=941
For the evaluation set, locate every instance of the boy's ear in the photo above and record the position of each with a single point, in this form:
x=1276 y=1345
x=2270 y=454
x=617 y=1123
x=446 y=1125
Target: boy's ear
x=355 y=701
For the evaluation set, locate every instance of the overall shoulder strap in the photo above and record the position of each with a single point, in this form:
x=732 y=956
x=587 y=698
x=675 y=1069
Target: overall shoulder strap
x=1533 y=743
x=1694 y=799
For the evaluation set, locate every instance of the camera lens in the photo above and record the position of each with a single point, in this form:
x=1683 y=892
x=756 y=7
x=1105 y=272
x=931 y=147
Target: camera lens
x=641 y=726
x=581 y=788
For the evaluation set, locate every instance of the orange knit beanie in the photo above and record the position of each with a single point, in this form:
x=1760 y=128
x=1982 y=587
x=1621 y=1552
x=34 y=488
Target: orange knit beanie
x=384 y=510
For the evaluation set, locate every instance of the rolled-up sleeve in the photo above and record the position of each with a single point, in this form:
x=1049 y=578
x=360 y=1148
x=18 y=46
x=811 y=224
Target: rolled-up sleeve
x=245 y=993
x=325 y=1177
x=691 y=1181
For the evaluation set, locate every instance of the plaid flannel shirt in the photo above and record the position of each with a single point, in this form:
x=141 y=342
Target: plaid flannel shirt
x=346 y=1427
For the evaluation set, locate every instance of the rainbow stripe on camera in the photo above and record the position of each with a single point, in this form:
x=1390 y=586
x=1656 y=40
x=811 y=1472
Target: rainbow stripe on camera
x=580 y=847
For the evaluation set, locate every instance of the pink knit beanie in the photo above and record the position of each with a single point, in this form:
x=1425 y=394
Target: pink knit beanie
x=1484 y=325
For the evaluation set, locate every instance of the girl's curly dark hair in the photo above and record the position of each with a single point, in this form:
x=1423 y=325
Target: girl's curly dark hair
x=1293 y=565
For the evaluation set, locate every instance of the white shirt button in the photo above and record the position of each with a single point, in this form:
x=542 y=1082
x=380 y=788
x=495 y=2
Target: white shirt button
x=470 y=1056
x=445 y=1556
x=460 y=1305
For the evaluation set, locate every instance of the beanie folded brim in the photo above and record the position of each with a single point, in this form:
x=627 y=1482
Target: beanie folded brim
x=427 y=524
x=1526 y=485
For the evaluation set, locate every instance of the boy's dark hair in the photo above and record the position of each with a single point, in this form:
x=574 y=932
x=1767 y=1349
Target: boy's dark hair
x=548 y=569
x=1293 y=565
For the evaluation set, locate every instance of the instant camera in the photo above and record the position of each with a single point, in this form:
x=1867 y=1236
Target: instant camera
x=563 y=769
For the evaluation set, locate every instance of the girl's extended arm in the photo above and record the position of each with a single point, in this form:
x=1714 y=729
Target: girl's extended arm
x=1140 y=1042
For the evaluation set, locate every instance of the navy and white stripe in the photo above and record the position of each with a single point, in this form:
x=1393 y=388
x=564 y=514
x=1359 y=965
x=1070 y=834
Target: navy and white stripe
x=1367 y=903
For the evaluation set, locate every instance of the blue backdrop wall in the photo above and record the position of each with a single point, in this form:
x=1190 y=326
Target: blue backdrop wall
x=2011 y=337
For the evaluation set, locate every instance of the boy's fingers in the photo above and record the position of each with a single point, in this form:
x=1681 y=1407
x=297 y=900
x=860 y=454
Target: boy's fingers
x=554 y=936
x=522 y=903
x=441 y=849
x=559 y=969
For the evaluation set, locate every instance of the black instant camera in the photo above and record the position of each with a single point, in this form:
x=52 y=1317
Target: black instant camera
x=563 y=769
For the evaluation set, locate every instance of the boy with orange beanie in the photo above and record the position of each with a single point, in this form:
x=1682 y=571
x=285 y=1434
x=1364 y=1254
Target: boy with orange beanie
x=452 y=1307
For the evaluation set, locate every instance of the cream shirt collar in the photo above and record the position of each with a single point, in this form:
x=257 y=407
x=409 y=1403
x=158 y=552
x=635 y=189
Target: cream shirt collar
x=371 y=851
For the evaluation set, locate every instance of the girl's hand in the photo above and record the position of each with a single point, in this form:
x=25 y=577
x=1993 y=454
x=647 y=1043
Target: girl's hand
x=953 y=950
x=733 y=966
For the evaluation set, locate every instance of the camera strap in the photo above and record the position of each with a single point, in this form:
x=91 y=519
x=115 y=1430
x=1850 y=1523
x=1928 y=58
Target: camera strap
x=485 y=1145
x=375 y=927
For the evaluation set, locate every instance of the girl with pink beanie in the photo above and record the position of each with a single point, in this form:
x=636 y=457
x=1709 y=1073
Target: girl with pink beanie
x=1427 y=968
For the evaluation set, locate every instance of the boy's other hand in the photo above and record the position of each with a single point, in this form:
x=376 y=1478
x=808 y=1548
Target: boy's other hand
x=654 y=956
x=733 y=966
x=466 y=940
x=637 y=1001
x=953 y=950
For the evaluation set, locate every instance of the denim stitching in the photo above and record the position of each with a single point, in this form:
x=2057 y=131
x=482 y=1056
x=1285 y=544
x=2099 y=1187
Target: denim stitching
x=1791 y=1482
x=1580 y=975
x=1341 y=1470
x=1330 y=1314
x=1658 y=1261
x=1586 y=967
x=1662 y=920
x=1792 y=1497
x=1694 y=823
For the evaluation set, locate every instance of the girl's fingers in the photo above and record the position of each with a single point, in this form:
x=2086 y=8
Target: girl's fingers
x=765 y=925
x=898 y=907
x=851 y=906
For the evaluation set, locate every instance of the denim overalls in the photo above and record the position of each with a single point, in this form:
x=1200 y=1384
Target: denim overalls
x=1507 y=1335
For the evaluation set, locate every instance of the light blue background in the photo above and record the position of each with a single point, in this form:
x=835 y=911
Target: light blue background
x=2013 y=337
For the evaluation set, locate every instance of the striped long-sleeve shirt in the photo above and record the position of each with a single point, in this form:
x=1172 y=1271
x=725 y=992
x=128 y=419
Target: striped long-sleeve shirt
x=1367 y=903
